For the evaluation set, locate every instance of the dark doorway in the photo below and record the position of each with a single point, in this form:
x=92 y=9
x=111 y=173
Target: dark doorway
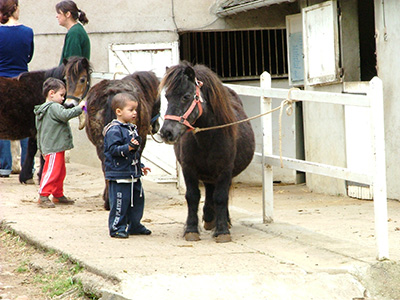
x=366 y=29
x=238 y=55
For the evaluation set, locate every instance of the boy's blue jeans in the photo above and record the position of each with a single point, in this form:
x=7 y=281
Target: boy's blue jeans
x=123 y=216
x=6 y=158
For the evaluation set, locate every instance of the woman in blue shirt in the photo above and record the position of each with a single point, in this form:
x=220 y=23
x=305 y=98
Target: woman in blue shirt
x=16 y=51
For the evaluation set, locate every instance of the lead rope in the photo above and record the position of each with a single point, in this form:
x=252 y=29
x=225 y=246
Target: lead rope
x=153 y=137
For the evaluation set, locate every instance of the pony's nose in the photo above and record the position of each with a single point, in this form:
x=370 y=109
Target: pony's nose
x=69 y=103
x=166 y=136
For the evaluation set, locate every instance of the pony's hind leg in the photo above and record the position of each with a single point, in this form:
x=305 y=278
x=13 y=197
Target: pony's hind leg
x=209 y=208
x=192 y=221
x=26 y=172
x=15 y=150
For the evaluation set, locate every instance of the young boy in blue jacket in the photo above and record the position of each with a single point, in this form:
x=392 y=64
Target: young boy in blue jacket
x=123 y=169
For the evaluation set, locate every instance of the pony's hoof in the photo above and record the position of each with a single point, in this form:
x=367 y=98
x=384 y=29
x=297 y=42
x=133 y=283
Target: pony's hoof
x=192 y=236
x=209 y=225
x=29 y=181
x=223 y=238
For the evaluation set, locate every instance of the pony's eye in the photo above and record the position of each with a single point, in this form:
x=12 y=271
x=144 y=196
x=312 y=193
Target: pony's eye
x=186 y=97
x=82 y=80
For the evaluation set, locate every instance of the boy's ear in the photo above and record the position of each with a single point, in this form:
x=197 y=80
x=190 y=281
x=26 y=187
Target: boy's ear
x=118 y=111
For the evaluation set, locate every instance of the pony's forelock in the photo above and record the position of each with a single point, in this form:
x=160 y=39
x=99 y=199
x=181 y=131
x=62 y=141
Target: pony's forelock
x=172 y=78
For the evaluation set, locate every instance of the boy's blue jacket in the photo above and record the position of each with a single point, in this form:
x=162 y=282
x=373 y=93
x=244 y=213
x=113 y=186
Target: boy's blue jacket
x=119 y=162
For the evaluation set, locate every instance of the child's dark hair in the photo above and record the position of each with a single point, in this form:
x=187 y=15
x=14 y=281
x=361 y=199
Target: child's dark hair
x=120 y=100
x=52 y=84
x=70 y=6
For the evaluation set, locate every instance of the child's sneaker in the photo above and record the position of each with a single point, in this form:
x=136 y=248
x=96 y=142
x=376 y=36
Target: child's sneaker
x=45 y=202
x=63 y=200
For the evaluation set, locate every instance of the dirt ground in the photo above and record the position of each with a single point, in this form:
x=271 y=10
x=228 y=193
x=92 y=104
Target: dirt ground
x=29 y=273
x=14 y=284
x=319 y=247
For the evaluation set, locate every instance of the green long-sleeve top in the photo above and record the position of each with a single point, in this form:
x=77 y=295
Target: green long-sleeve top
x=76 y=43
x=53 y=130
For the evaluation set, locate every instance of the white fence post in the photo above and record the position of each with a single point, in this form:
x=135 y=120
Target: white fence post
x=379 y=173
x=267 y=176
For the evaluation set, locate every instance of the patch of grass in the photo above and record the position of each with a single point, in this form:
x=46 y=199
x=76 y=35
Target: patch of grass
x=59 y=280
x=23 y=267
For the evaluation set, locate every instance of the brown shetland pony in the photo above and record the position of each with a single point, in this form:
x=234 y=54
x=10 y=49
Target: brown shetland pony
x=19 y=95
x=99 y=111
x=197 y=98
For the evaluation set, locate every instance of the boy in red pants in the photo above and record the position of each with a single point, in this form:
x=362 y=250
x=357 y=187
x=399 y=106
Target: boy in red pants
x=54 y=136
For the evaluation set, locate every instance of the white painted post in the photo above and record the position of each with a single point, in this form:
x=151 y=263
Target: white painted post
x=267 y=176
x=379 y=176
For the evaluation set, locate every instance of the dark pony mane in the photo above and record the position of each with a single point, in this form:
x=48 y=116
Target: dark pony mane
x=213 y=91
x=57 y=72
x=73 y=66
x=149 y=85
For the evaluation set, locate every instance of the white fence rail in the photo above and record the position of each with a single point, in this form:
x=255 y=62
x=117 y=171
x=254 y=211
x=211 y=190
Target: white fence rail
x=376 y=177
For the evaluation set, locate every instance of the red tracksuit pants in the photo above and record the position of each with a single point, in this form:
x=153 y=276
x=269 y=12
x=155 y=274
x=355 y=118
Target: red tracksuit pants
x=53 y=175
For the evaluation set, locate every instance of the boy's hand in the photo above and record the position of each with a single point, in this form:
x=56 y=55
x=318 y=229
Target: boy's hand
x=134 y=144
x=82 y=104
x=146 y=170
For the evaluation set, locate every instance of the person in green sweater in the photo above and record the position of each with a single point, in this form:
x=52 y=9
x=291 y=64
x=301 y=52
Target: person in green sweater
x=76 y=41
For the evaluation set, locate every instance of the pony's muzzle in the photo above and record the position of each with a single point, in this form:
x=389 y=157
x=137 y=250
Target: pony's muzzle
x=69 y=103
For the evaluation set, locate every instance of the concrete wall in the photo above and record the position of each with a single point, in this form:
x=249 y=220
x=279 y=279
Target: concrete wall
x=124 y=21
x=388 y=70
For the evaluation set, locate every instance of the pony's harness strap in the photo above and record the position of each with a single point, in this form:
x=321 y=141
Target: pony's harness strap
x=155 y=118
x=196 y=102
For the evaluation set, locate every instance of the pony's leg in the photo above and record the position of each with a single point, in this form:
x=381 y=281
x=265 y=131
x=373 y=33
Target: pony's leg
x=40 y=172
x=221 y=196
x=209 y=209
x=26 y=171
x=192 y=199
x=15 y=150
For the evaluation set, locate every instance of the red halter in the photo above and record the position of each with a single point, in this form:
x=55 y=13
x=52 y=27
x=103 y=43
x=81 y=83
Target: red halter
x=196 y=101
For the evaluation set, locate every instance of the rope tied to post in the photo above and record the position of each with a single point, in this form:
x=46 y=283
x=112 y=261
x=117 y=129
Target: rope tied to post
x=289 y=110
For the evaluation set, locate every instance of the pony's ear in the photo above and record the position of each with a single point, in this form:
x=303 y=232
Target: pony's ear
x=85 y=62
x=65 y=61
x=189 y=72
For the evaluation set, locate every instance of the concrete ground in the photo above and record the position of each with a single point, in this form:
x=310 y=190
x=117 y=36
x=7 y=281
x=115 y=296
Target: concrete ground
x=319 y=247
